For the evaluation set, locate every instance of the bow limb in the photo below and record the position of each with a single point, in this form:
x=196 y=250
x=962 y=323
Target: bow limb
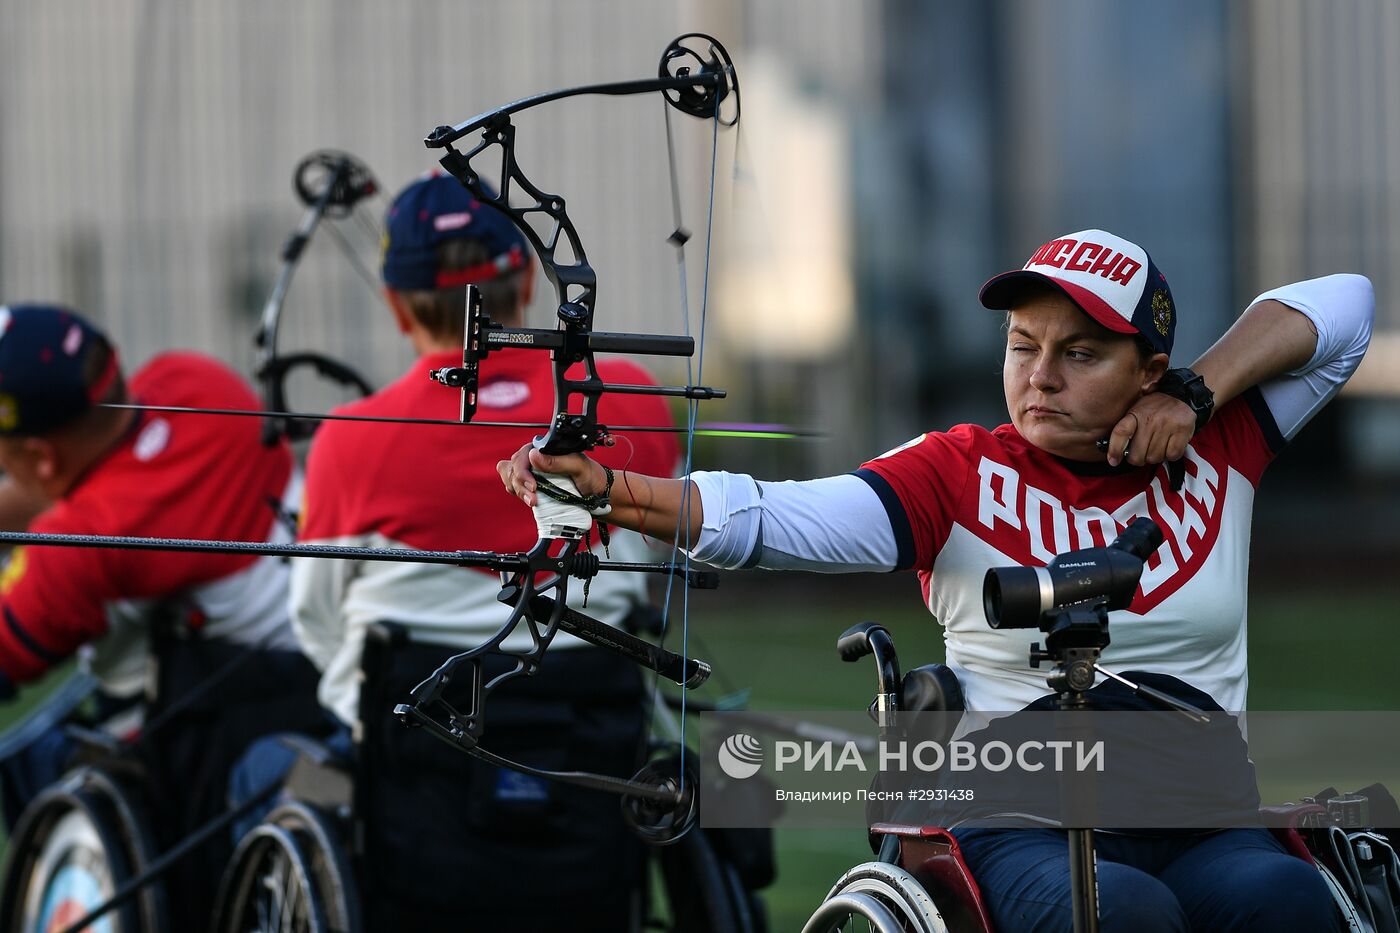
x=463 y=725
x=330 y=183
x=659 y=801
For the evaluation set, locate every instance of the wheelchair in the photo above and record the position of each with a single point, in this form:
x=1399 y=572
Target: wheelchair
x=920 y=882
x=342 y=852
x=136 y=827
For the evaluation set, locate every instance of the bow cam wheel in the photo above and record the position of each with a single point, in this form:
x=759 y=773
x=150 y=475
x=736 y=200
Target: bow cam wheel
x=659 y=823
x=698 y=54
x=338 y=177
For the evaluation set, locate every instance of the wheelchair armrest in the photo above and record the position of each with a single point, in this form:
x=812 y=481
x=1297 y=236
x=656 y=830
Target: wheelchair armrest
x=1286 y=821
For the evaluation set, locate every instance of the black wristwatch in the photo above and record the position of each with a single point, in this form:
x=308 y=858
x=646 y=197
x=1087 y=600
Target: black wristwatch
x=1186 y=386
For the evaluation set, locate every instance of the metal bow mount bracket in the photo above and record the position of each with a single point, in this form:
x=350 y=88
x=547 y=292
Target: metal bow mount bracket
x=697 y=77
x=330 y=183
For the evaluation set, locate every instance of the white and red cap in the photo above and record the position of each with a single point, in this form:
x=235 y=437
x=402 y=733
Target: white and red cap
x=1112 y=280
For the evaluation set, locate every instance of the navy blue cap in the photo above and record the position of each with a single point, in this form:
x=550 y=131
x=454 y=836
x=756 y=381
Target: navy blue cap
x=431 y=211
x=1111 y=279
x=53 y=367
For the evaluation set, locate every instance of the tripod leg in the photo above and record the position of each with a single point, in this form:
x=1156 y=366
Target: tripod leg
x=1083 y=881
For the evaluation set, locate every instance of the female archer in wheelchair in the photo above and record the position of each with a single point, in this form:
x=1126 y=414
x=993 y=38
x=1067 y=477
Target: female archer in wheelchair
x=1102 y=431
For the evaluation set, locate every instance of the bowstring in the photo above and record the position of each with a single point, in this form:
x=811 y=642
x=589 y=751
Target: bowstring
x=358 y=264
x=694 y=371
x=677 y=239
x=328 y=221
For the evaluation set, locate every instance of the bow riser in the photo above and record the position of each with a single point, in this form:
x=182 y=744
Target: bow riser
x=573 y=280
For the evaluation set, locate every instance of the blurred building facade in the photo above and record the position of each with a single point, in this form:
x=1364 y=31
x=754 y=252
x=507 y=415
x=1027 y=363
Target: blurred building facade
x=892 y=156
x=1245 y=144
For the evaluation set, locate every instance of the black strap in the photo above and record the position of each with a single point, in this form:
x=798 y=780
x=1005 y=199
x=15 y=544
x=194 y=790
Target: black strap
x=1187 y=386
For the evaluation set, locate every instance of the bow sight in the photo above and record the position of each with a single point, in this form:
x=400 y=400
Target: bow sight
x=572 y=343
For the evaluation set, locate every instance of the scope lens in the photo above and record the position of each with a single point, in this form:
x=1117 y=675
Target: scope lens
x=1011 y=597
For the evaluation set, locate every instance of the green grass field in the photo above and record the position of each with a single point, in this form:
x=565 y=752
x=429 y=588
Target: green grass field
x=775 y=638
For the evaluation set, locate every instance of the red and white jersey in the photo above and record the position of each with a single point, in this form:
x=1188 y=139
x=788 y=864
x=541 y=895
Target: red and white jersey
x=174 y=476
x=954 y=504
x=970 y=499
x=435 y=487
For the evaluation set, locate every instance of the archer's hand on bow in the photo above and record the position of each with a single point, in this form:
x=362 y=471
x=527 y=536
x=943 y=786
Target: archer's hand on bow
x=518 y=473
x=651 y=505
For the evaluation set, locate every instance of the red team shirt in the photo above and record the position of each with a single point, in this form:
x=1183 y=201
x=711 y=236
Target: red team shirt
x=969 y=499
x=436 y=488
x=187 y=476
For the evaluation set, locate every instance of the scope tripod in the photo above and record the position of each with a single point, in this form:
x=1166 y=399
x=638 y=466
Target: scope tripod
x=1075 y=637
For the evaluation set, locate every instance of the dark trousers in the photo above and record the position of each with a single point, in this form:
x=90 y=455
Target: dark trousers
x=1233 y=880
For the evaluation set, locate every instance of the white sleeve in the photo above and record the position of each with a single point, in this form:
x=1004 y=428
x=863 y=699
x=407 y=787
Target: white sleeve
x=316 y=591
x=1341 y=309
x=832 y=525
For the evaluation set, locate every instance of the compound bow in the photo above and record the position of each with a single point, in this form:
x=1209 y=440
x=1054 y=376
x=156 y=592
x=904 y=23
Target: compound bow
x=696 y=82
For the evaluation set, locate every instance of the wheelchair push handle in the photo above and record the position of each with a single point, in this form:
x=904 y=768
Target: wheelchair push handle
x=856 y=641
x=866 y=638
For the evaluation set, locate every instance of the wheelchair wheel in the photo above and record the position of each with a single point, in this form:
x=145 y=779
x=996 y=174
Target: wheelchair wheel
x=70 y=853
x=836 y=914
x=704 y=893
x=288 y=875
x=899 y=897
